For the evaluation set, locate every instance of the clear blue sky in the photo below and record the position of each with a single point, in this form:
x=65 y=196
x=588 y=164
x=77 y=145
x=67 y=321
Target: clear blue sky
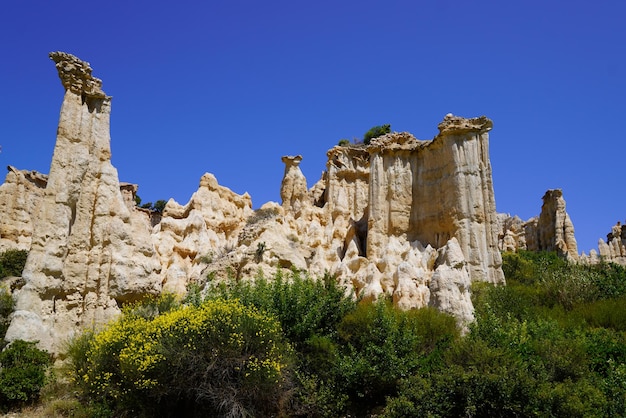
x=229 y=87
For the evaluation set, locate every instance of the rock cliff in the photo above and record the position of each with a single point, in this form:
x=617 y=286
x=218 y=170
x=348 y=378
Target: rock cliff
x=414 y=220
x=20 y=196
x=552 y=230
x=614 y=248
x=89 y=253
x=407 y=218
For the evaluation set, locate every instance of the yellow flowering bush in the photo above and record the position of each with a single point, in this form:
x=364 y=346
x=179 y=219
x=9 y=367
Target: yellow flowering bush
x=218 y=358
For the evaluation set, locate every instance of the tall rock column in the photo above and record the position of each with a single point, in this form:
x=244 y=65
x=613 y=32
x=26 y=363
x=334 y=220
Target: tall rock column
x=433 y=191
x=466 y=190
x=555 y=230
x=89 y=253
x=293 y=190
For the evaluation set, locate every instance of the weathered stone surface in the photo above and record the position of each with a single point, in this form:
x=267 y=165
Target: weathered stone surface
x=512 y=235
x=293 y=190
x=431 y=191
x=89 y=254
x=555 y=228
x=378 y=216
x=75 y=75
x=208 y=223
x=450 y=285
x=552 y=230
x=614 y=248
x=20 y=195
x=414 y=220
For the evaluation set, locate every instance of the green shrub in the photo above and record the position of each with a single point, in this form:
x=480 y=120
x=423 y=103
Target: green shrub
x=607 y=313
x=152 y=306
x=304 y=306
x=344 y=142
x=12 y=262
x=382 y=344
x=218 y=359
x=7 y=304
x=375 y=132
x=157 y=206
x=22 y=373
x=553 y=281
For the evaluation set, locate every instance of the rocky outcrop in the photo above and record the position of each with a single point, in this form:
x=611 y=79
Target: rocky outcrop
x=89 y=252
x=432 y=191
x=414 y=220
x=613 y=250
x=555 y=231
x=411 y=219
x=208 y=224
x=552 y=230
x=20 y=197
x=293 y=190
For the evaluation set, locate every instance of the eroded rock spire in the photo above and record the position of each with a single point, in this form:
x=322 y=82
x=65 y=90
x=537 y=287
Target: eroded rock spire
x=90 y=252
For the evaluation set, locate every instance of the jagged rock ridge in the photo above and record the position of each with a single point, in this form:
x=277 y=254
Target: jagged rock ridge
x=411 y=219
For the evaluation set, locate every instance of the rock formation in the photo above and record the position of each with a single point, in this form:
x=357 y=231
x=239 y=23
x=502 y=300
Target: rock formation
x=89 y=253
x=407 y=218
x=414 y=220
x=20 y=197
x=552 y=230
x=614 y=248
x=208 y=223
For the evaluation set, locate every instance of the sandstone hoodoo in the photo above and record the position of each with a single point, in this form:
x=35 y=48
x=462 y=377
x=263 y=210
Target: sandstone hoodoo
x=89 y=253
x=411 y=219
x=614 y=248
x=552 y=230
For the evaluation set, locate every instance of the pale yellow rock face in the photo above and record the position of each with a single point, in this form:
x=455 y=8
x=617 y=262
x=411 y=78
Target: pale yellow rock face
x=450 y=284
x=379 y=218
x=432 y=191
x=555 y=228
x=293 y=190
x=380 y=213
x=614 y=248
x=208 y=224
x=414 y=220
x=20 y=195
x=89 y=254
x=552 y=230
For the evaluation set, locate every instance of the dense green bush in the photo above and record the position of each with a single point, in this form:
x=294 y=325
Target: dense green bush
x=555 y=282
x=219 y=359
x=381 y=344
x=12 y=262
x=375 y=132
x=7 y=304
x=304 y=306
x=22 y=374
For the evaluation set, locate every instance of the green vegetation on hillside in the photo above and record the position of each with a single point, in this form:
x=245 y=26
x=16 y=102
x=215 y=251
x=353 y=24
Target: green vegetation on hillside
x=22 y=374
x=550 y=343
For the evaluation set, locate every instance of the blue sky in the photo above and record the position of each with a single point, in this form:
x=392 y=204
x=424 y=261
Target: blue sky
x=229 y=87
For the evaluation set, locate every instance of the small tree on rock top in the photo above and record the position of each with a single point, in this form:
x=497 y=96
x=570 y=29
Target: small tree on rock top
x=375 y=132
